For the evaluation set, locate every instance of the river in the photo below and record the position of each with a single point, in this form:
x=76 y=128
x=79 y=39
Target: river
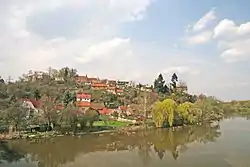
x=224 y=145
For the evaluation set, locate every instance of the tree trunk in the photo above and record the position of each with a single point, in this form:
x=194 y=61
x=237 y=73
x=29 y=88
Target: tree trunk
x=11 y=130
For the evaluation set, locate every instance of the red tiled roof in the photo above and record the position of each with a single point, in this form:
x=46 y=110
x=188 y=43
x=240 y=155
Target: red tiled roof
x=82 y=78
x=92 y=79
x=106 y=111
x=36 y=103
x=119 y=91
x=98 y=85
x=124 y=108
x=59 y=107
x=83 y=104
x=84 y=96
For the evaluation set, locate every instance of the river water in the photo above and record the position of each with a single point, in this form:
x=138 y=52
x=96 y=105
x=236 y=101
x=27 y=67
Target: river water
x=223 y=145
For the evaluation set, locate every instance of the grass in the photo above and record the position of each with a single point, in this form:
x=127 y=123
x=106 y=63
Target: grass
x=110 y=123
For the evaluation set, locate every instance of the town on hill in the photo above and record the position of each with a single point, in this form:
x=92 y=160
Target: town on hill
x=63 y=100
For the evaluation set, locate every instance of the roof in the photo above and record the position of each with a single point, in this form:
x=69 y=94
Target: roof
x=112 y=82
x=106 y=111
x=83 y=104
x=93 y=79
x=123 y=82
x=104 y=81
x=36 y=103
x=124 y=108
x=82 y=78
x=98 y=85
x=119 y=91
x=83 y=95
x=59 y=107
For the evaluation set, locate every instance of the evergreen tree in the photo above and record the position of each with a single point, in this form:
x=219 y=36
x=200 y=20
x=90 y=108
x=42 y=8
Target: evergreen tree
x=159 y=84
x=67 y=98
x=165 y=89
x=174 y=80
x=37 y=94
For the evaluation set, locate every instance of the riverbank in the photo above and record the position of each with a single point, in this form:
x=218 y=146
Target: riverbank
x=99 y=128
x=51 y=134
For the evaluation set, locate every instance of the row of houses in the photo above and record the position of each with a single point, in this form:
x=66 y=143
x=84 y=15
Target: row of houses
x=112 y=86
x=83 y=102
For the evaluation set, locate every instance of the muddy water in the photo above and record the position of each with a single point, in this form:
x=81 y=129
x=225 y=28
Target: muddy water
x=226 y=145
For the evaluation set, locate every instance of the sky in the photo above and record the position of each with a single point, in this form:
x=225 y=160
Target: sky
x=207 y=43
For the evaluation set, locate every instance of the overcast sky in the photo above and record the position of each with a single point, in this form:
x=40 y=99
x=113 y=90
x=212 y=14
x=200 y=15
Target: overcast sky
x=207 y=43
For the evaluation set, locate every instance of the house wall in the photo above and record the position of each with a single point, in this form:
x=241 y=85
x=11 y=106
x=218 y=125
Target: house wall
x=83 y=100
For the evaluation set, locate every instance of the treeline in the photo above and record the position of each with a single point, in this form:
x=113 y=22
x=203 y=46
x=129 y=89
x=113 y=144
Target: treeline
x=53 y=95
x=169 y=113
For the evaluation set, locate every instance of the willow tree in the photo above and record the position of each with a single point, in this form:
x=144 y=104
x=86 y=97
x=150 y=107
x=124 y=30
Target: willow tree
x=164 y=111
x=189 y=112
x=158 y=115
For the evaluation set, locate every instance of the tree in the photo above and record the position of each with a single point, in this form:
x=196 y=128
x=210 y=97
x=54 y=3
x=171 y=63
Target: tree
x=49 y=101
x=189 y=113
x=164 y=111
x=37 y=94
x=160 y=86
x=15 y=114
x=67 y=98
x=1 y=80
x=174 y=80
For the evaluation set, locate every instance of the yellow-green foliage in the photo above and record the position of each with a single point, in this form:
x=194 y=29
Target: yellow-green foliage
x=158 y=115
x=164 y=111
x=168 y=110
x=189 y=112
x=183 y=109
x=169 y=107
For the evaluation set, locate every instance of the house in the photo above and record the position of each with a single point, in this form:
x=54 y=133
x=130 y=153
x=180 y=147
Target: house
x=82 y=79
x=119 y=92
x=147 y=88
x=106 y=111
x=181 y=88
x=124 y=110
x=111 y=90
x=35 y=103
x=93 y=80
x=98 y=86
x=83 y=100
x=111 y=83
x=122 y=84
x=37 y=75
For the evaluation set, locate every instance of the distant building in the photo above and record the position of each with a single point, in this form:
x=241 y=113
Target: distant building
x=98 y=86
x=106 y=111
x=83 y=100
x=122 y=83
x=93 y=80
x=111 y=83
x=119 y=92
x=111 y=90
x=82 y=79
x=182 y=88
x=147 y=88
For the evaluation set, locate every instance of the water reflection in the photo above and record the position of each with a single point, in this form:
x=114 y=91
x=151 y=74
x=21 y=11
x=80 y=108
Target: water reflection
x=9 y=155
x=63 y=150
